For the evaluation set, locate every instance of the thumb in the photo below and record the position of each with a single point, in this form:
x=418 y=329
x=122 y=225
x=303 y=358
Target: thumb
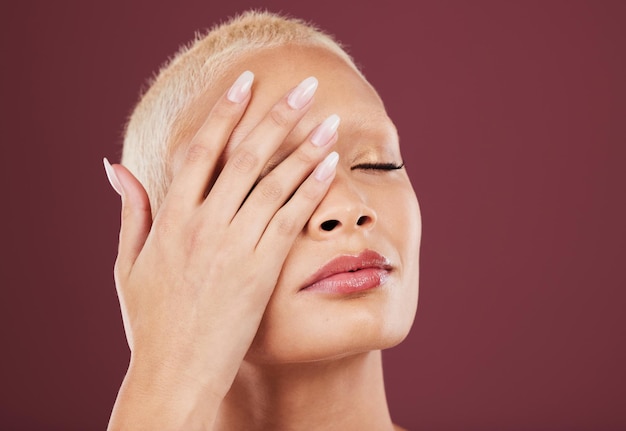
x=136 y=216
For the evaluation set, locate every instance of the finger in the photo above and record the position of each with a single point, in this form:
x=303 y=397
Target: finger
x=136 y=217
x=274 y=189
x=247 y=161
x=289 y=221
x=198 y=167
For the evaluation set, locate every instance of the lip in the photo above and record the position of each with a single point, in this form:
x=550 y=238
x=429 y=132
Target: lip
x=349 y=274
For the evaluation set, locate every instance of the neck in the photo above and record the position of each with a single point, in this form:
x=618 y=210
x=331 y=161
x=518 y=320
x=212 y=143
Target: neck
x=342 y=394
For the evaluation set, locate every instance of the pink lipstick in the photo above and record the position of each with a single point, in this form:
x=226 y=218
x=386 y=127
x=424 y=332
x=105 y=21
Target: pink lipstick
x=349 y=274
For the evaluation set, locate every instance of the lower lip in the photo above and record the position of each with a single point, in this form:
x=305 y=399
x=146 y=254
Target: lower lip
x=350 y=282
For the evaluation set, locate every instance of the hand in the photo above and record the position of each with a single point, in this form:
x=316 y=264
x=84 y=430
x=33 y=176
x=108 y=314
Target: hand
x=193 y=285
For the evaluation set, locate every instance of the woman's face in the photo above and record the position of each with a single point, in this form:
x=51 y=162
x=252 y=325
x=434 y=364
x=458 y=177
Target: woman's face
x=369 y=219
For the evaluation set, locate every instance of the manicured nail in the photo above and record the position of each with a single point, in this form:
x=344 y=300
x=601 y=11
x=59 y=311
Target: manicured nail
x=303 y=93
x=325 y=169
x=325 y=131
x=241 y=88
x=115 y=182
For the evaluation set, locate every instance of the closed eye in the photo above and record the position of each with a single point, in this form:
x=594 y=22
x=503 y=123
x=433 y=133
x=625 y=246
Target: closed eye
x=378 y=166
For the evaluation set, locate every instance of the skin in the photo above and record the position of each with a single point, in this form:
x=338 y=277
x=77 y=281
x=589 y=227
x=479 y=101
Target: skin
x=219 y=344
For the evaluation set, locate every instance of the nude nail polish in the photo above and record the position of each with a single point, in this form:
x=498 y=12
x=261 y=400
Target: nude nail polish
x=303 y=93
x=241 y=88
x=325 y=169
x=112 y=176
x=325 y=131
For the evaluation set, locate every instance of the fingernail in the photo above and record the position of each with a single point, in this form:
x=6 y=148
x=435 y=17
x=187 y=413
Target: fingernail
x=325 y=169
x=241 y=88
x=303 y=93
x=115 y=182
x=325 y=131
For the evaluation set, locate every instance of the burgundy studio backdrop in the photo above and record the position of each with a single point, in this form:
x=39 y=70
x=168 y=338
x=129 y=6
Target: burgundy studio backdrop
x=511 y=118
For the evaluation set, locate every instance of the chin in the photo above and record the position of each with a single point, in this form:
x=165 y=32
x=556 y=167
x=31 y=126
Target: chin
x=332 y=332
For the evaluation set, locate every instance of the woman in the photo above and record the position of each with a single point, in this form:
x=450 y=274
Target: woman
x=267 y=252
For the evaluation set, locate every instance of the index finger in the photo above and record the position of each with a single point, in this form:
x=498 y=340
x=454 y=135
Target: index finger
x=201 y=156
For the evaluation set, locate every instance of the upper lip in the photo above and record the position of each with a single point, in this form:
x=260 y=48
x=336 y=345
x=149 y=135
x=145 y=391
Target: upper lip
x=349 y=263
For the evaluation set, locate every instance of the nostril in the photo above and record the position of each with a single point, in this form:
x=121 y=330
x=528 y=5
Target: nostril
x=362 y=220
x=329 y=225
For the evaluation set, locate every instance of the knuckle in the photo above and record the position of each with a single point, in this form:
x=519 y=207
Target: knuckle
x=278 y=117
x=271 y=190
x=244 y=161
x=130 y=212
x=224 y=110
x=286 y=226
x=196 y=152
x=304 y=157
x=311 y=194
x=127 y=213
x=237 y=136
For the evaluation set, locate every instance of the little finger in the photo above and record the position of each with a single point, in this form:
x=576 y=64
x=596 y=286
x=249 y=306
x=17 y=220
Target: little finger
x=289 y=221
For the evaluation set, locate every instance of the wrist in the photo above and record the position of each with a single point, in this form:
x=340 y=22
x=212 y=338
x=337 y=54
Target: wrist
x=156 y=396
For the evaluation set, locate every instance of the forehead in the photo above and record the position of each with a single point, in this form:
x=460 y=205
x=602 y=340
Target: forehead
x=342 y=91
x=341 y=88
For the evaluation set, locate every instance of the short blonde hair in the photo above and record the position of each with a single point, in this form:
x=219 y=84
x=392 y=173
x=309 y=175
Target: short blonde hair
x=164 y=106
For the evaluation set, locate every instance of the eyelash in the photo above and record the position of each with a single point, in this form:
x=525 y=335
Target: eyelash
x=378 y=166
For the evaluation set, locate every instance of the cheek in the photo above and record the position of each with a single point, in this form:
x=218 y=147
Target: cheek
x=401 y=221
x=400 y=218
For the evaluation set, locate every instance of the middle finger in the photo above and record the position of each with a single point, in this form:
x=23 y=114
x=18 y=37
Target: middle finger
x=247 y=161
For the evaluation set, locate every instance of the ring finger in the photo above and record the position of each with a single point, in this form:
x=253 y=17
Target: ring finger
x=273 y=190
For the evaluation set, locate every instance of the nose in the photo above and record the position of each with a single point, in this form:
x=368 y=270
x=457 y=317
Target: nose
x=344 y=210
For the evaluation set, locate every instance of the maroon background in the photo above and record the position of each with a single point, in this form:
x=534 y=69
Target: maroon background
x=512 y=118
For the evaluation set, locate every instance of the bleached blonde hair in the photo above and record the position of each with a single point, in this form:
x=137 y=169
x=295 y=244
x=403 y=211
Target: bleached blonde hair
x=156 y=119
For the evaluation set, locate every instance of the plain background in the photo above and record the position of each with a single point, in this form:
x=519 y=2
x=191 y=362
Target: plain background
x=512 y=121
